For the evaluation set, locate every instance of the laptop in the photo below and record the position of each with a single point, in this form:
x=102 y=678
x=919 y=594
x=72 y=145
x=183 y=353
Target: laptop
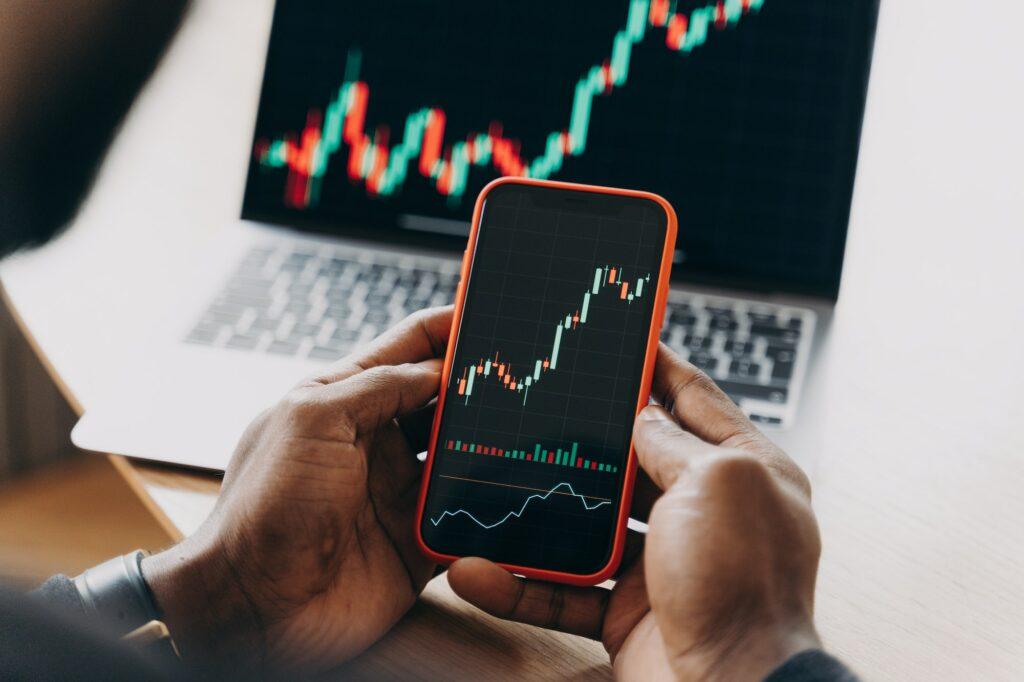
x=378 y=124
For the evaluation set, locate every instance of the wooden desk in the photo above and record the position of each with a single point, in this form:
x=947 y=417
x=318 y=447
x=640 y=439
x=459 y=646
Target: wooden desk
x=911 y=420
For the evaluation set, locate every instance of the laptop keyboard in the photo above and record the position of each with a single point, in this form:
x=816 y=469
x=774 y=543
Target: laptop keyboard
x=319 y=301
x=752 y=350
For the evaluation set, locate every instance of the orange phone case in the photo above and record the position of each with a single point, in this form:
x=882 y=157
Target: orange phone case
x=657 y=318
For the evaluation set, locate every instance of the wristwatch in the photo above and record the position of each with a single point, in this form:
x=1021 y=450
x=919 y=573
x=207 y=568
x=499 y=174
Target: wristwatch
x=116 y=593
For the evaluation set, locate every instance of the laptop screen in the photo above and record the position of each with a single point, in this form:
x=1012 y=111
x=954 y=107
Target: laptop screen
x=385 y=119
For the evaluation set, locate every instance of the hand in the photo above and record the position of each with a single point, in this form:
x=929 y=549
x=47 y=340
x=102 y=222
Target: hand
x=309 y=556
x=723 y=585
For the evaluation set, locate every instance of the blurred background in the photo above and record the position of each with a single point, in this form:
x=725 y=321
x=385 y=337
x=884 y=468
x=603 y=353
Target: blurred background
x=61 y=509
x=63 y=98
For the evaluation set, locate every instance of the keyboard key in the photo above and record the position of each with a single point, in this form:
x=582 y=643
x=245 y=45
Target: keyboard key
x=264 y=324
x=299 y=307
x=337 y=313
x=737 y=390
x=765 y=319
x=345 y=332
x=283 y=347
x=721 y=323
x=344 y=335
x=697 y=342
x=738 y=347
x=339 y=290
x=243 y=342
x=782 y=370
x=780 y=353
x=203 y=335
x=377 y=299
x=685 y=319
x=790 y=336
x=306 y=329
x=325 y=353
x=704 y=361
x=377 y=316
x=744 y=369
x=220 y=316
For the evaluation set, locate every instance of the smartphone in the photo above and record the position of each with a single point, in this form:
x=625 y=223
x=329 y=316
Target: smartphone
x=557 y=317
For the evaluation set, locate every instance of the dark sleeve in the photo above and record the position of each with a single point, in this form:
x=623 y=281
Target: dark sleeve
x=60 y=593
x=813 y=665
x=44 y=639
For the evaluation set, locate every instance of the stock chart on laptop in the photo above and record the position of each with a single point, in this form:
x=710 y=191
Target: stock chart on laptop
x=743 y=113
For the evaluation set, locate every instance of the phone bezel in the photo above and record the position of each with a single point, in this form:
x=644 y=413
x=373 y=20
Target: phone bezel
x=657 y=317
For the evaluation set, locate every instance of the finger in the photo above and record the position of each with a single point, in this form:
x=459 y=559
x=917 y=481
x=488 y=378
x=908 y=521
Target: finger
x=694 y=399
x=371 y=398
x=576 y=610
x=420 y=336
x=632 y=551
x=645 y=494
x=664 y=449
x=631 y=605
x=416 y=426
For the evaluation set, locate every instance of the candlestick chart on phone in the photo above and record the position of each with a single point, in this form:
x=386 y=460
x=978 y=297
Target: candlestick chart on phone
x=533 y=442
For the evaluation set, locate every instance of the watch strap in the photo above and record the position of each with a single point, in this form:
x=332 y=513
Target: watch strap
x=116 y=593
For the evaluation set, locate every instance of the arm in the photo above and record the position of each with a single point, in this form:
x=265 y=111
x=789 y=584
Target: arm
x=309 y=556
x=47 y=637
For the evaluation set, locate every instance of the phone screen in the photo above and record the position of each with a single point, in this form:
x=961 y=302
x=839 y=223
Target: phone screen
x=530 y=460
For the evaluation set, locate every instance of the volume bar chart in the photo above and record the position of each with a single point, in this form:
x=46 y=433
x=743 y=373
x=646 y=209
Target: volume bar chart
x=506 y=377
x=568 y=456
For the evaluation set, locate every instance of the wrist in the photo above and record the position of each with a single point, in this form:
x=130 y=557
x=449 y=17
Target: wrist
x=752 y=655
x=204 y=606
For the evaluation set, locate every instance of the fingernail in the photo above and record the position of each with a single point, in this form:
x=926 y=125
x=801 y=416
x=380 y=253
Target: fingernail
x=653 y=413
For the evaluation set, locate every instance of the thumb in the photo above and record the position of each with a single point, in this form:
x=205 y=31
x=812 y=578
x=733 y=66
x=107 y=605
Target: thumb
x=664 y=449
x=374 y=397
